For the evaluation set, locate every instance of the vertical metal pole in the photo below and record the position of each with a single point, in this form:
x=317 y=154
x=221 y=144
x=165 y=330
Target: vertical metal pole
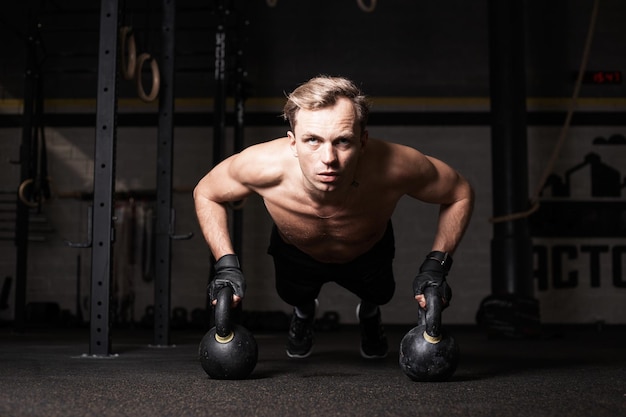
x=219 y=124
x=511 y=247
x=104 y=181
x=165 y=150
x=26 y=172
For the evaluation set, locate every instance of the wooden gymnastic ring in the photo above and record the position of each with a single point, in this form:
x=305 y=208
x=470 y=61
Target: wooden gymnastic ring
x=129 y=56
x=365 y=7
x=22 y=197
x=156 y=78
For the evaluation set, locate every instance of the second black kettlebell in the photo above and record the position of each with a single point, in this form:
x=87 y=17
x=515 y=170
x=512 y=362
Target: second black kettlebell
x=426 y=352
x=228 y=350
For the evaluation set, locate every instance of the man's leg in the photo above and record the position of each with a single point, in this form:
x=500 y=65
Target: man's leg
x=374 y=343
x=301 y=337
x=371 y=278
x=375 y=288
x=298 y=284
x=303 y=298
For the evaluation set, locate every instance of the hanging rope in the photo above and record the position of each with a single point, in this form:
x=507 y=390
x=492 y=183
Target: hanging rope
x=534 y=202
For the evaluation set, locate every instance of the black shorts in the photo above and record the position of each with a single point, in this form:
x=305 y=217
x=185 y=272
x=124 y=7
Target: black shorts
x=299 y=278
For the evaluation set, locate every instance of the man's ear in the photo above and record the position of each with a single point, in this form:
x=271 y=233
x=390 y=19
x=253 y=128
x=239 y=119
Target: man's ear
x=292 y=142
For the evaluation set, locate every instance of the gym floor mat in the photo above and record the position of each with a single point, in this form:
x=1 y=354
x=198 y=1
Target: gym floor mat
x=575 y=371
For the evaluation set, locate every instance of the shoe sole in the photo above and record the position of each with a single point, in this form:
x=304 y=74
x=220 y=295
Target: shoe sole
x=366 y=356
x=299 y=356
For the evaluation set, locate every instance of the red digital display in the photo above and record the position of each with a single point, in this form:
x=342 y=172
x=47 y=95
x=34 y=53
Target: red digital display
x=602 y=77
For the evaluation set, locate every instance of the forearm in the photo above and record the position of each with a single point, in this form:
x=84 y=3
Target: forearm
x=453 y=221
x=213 y=220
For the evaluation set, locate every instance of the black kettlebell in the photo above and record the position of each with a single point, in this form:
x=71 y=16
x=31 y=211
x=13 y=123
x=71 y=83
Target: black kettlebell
x=227 y=351
x=426 y=352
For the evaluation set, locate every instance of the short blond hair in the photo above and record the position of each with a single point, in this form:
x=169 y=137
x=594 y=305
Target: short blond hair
x=323 y=91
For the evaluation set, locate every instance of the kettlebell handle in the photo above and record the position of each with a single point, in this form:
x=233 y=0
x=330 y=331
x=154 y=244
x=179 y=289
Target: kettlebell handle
x=431 y=318
x=223 y=326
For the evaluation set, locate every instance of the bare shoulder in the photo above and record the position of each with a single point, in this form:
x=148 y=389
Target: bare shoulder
x=262 y=164
x=393 y=149
x=396 y=159
x=421 y=176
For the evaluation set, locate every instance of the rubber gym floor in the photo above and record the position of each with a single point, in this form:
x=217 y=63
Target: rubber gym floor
x=569 y=371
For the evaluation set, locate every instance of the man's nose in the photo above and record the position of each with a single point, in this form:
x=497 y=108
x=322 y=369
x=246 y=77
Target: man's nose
x=329 y=154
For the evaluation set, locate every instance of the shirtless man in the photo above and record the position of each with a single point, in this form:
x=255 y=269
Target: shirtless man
x=331 y=191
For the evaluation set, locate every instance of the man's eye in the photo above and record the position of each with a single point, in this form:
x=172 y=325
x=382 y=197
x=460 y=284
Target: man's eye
x=344 y=142
x=312 y=141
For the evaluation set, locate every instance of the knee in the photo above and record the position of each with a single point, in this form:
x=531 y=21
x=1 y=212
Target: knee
x=381 y=296
x=294 y=295
x=386 y=296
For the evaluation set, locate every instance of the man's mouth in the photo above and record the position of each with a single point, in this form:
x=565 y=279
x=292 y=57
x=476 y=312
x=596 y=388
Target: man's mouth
x=328 y=176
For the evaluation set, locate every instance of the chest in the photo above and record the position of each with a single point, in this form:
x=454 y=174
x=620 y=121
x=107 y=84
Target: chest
x=334 y=234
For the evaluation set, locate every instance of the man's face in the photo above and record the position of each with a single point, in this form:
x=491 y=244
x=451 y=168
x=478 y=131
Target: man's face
x=327 y=143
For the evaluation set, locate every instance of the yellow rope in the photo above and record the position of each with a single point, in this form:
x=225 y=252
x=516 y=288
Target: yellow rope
x=534 y=202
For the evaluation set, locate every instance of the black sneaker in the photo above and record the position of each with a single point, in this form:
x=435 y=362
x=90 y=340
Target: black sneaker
x=300 y=336
x=373 y=339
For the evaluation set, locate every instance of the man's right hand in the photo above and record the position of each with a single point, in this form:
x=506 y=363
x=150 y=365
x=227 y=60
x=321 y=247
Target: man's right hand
x=227 y=274
x=433 y=273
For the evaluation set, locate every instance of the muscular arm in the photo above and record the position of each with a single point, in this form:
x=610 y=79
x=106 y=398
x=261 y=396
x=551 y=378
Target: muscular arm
x=456 y=206
x=438 y=183
x=254 y=169
x=220 y=186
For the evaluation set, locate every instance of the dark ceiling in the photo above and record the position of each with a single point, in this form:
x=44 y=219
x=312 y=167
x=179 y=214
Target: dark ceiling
x=402 y=48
